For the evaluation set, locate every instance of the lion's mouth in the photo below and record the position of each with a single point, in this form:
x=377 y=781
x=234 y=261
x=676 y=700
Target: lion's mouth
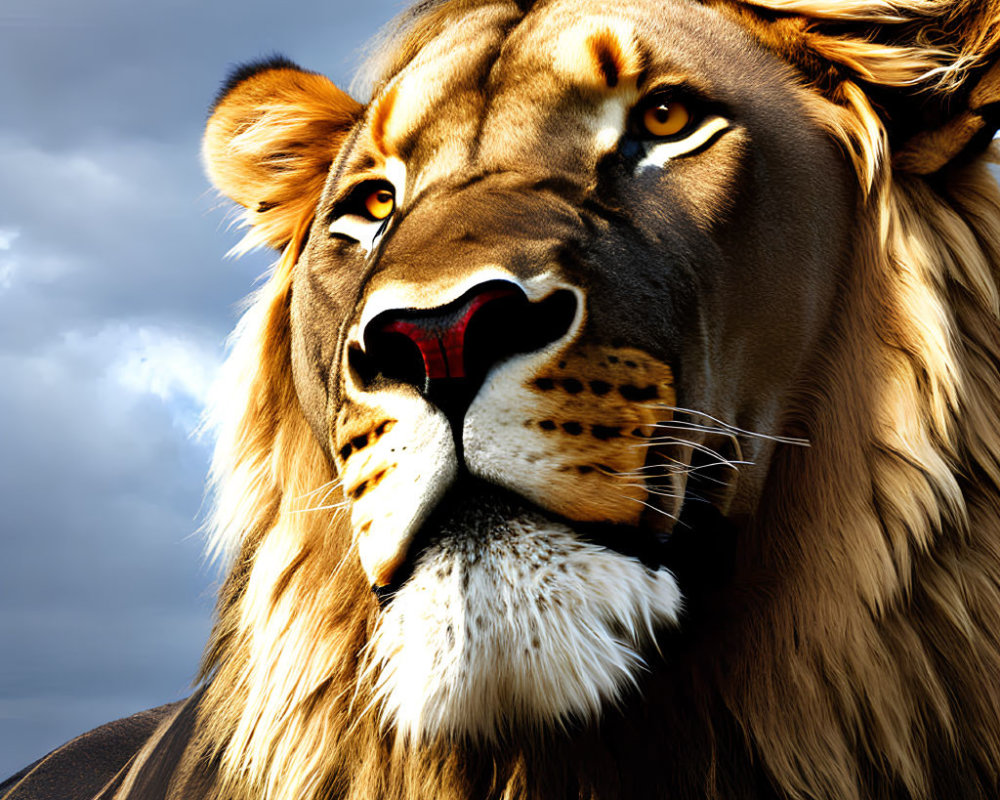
x=697 y=550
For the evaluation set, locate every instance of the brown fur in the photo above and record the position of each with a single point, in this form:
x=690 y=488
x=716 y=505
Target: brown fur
x=856 y=651
x=269 y=148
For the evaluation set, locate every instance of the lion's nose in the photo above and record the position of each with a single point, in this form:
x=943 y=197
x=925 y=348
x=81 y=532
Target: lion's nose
x=446 y=352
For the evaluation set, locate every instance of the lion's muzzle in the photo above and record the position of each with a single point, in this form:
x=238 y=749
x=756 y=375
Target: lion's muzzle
x=447 y=352
x=418 y=360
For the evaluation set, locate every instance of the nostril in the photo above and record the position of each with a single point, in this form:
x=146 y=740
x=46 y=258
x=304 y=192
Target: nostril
x=442 y=335
x=446 y=352
x=392 y=355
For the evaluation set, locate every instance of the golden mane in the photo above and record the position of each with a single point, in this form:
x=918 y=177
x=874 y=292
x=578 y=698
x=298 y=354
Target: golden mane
x=849 y=674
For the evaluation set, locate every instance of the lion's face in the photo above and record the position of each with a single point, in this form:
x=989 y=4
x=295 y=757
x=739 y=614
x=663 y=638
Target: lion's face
x=620 y=417
x=553 y=277
x=542 y=272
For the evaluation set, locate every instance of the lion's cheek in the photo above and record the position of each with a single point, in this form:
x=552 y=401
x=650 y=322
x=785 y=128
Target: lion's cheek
x=393 y=485
x=585 y=483
x=542 y=431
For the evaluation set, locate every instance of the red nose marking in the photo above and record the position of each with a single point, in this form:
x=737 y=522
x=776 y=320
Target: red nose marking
x=441 y=339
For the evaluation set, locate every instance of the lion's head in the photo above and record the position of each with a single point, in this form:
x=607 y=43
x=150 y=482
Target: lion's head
x=622 y=417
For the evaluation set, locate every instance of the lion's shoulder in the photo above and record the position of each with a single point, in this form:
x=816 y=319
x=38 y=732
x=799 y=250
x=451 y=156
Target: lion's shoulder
x=95 y=764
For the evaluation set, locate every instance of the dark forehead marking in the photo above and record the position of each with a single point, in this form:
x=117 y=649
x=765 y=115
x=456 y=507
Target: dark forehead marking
x=490 y=87
x=489 y=94
x=435 y=19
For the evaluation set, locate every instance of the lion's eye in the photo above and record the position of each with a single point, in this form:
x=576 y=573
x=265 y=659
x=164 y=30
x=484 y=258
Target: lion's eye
x=671 y=124
x=363 y=215
x=380 y=203
x=665 y=118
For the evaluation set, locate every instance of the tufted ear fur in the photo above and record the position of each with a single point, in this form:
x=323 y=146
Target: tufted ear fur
x=923 y=72
x=274 y=131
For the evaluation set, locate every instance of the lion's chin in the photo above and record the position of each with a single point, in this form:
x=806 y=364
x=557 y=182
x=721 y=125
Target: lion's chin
x=511 y=620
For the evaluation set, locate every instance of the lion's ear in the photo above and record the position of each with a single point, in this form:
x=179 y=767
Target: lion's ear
x=273 y=134
x=926 y=69
x=966 y=130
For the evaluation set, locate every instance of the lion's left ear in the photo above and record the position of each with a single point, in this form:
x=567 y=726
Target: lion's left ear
x=273 y=134
x=929 y=70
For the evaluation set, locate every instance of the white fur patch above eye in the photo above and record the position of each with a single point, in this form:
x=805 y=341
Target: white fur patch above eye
x=657 y=155
x=524 y=628
x=609 y=125
x=395 y=172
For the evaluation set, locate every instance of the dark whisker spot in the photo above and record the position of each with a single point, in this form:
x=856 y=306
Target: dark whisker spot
x=360 y=442
x=636 y=394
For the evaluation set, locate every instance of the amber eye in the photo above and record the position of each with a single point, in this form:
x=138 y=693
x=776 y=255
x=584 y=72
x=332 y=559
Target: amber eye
x=666 y=118
x=380 y=203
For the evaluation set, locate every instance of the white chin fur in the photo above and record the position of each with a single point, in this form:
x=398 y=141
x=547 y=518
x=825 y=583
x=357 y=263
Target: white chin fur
x=525 y=628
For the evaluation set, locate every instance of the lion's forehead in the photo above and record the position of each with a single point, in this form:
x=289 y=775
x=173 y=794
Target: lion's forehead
x=494 y=88
x=439 y=94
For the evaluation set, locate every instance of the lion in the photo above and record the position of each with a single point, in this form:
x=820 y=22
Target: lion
x=620 y=420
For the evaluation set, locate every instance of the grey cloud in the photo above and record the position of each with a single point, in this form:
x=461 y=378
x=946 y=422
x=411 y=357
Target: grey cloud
x=112 y=230
x=102 y=587
x=114 y=302
x=121 y=69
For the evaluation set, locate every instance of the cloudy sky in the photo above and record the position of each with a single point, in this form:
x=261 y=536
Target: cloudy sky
x=115 y=301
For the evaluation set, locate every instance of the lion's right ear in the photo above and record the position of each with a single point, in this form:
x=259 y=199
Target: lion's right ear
x=275 y=130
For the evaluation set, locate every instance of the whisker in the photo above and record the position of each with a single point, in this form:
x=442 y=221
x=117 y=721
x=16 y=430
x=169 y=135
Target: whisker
x=792 y=440
x=733 y=464
x=650 y=507
x=329 y=486
x=680 y=468
x=667 y=495
x=341 y=506
x=683 y=425
x=668 y=440
x=653 y=471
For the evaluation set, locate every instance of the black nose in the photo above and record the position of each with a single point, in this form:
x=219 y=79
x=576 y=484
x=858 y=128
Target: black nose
x=447 y=352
